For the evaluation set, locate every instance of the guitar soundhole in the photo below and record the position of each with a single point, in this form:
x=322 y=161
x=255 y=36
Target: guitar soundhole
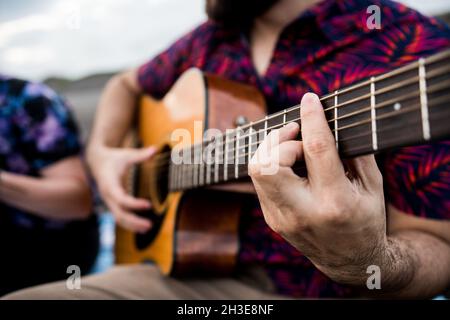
x=143 y=240
x=159 y=179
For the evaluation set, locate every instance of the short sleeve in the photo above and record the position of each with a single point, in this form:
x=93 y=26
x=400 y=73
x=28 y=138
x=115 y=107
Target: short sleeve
x=48 y=129
x=157 y=75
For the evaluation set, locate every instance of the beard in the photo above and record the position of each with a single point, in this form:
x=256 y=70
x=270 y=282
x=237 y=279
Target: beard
x=237 y=13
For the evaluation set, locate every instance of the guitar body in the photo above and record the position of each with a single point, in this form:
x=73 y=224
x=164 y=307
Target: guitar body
x=194 y=232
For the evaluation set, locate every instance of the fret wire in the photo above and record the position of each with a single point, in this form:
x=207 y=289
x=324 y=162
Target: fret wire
x=378 y=78
x=179 y=173
x=380 y=105
x=250 y=143
x=195 y=180
x=236 y=165
x=383 y=104
x=336 y=133
x=393 y=114
x=182 y=176
x=265 y=126
x=174 y=170
x=216 y=163
x=201 y=178
x=398 y=71
x=373 y=114
x=208 y=166
x=390 y=115
x=424 y=100
x=175 y=175
x=417 y=107
x=225 y=167
x=381 y=91
x=172 y=183
x=367 y=82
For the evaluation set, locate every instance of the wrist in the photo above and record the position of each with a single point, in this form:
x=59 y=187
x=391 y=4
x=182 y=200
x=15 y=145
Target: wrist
x=353 y=268
x=391 y=257
x=396 y=265
x=95 y=155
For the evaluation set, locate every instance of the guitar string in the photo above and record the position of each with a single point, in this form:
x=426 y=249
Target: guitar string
x=284 y=112
x=401 y=70
x=364 y=121
x=429 y=74
x=188 y=167
x=441 y=85
x=297 y=107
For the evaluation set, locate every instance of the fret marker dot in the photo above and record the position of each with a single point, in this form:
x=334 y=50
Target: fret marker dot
x=397 y=106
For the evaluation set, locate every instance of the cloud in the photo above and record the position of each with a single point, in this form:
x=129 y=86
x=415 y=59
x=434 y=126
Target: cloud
x=78 y=37
x=429 y=7
x=74 y=38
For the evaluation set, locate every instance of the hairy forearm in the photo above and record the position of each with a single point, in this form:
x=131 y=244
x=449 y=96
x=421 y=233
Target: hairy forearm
x=417 y=265
x=54 y=198
x=413 y=264
x=114 y=113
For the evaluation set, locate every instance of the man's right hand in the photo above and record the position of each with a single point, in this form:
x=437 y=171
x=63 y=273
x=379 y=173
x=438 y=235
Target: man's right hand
x=109 y=169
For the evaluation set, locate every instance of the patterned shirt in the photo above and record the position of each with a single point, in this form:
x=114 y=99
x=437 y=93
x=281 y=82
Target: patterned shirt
x=326 y=48
x=36 y=130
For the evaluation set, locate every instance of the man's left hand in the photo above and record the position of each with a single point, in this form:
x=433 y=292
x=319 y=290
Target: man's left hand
x=336 y=216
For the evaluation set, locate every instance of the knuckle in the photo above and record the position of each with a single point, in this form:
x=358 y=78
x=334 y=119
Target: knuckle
x=317 y=145
x=287 y=229
x=378 y=179
x=254 y=169
x=274 y=224
x=334 y=212
x=105 y=191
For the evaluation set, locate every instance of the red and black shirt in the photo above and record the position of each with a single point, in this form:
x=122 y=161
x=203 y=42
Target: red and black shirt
x=326 y=48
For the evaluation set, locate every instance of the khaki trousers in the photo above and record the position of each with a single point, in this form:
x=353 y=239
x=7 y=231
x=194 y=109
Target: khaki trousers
x=144 y=281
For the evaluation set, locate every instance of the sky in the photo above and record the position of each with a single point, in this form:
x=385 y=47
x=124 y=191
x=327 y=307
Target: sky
x=75 y=38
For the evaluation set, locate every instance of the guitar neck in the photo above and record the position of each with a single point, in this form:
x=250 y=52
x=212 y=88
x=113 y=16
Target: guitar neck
x=407 y=106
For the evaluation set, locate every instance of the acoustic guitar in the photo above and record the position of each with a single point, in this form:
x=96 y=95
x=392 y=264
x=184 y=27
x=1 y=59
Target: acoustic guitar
x=195 y=226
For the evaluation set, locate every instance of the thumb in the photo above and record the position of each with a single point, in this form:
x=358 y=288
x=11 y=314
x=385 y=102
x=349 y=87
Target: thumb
x=140 y=155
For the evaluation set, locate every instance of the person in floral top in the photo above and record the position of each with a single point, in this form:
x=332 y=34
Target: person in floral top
x=46 y=221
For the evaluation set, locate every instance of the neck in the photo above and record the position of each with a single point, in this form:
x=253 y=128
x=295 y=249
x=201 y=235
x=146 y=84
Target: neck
x=283 y=13
x=403 y=107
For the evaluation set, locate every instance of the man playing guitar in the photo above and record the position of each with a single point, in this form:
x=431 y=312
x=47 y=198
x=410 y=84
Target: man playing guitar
x=342 y=218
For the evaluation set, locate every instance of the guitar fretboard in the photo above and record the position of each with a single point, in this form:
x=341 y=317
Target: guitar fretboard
x=407 y=106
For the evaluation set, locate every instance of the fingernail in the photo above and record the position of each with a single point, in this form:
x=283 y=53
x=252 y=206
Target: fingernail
x=292 y=125
x=310 y=98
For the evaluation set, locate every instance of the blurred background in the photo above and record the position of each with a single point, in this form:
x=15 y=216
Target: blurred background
x=75 y=46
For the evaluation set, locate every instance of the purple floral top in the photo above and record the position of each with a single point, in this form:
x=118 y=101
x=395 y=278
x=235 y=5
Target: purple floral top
x=36 y=130
x=326 y=48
